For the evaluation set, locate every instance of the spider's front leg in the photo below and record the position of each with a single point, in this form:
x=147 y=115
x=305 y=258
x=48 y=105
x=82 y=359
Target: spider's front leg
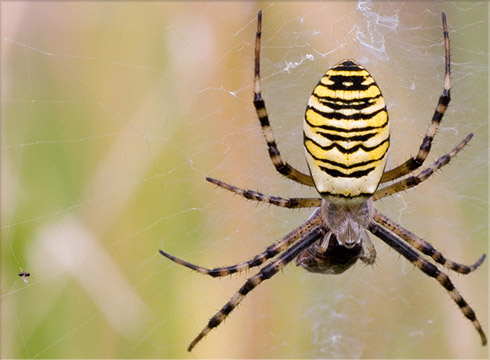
x=265 y=273
x=431 y=270
x=313 y=221
x=424 y=247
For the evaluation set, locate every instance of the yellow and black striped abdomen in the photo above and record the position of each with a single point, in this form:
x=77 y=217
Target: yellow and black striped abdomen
x=346 y=134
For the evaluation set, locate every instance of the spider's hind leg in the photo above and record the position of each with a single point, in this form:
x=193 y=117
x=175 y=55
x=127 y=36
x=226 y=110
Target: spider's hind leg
x=416 y=161
x=282 y=167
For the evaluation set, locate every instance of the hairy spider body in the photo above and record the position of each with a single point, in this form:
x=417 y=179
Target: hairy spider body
x=346 y=139
x=346 y=134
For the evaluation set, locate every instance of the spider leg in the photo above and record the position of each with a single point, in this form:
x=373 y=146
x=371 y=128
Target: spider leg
x=265 y=273
x=368 y=255
x=291 y=203
x=431 y=270
x=270 y=252
x=416 y=161
x=423 y=246
x=259 y=103
x=414 y=180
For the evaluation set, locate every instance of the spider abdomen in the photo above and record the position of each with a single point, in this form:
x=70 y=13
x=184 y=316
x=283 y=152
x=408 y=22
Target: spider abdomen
x=346 y=134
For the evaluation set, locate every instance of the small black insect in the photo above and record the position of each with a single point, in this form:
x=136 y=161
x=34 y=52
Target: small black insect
x=24 y=275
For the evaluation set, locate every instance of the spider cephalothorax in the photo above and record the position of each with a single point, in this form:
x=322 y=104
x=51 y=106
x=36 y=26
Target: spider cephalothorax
x=346 y=139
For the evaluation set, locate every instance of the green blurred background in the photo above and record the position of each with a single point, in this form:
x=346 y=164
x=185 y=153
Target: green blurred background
x=113 y=114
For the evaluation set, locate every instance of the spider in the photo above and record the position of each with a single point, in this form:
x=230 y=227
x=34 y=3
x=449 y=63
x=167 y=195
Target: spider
x=346 y=139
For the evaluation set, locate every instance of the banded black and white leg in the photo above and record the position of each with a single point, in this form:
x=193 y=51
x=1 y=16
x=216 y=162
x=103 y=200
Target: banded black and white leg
x=291 y=203
x=278 y=247
x=423 y=246
x=265 y=273
x=431 y=270
x=414 y=180
x=416 y=161
x=281 y=166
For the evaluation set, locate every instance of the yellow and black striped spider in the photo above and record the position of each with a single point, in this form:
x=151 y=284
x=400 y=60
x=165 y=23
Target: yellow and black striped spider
x=346 y=139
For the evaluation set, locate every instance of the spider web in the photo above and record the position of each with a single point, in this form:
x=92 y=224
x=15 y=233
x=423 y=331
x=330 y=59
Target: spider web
x=114 y=113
